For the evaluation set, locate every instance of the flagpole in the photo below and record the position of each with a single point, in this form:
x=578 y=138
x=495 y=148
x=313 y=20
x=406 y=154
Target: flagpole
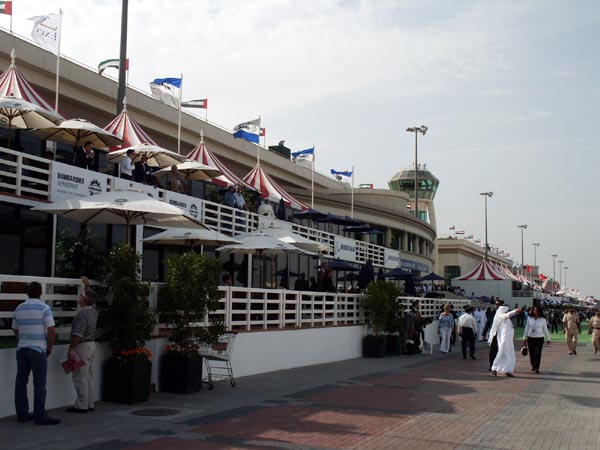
x=312 y=181
x=122 y=56
x=258 y=145
x=179 y=117
x=352 y=195
x=58 y=64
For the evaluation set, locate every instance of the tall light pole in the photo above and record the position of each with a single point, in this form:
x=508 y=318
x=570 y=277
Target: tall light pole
x=522 y=227
x=122 y=57
x=535 y=246
x=486 y=195
x=566 y=277
x=560 y=263
x=422 y=129
x=554 y=273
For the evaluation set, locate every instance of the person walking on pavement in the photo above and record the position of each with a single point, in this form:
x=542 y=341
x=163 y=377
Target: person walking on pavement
x=503 y=330
x=83 y=334
x=571 y=328
x=479 y=315
x=488 y=331
x=34 y=327
x=467 y=327
x=536 y=328
x=594 y=330
x=446 y=328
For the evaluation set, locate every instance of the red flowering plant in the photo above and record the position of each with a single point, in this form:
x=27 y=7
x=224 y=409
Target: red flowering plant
x=127 y=321
x=187 y=300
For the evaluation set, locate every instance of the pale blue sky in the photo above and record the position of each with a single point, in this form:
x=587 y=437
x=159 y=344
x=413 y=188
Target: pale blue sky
x=509 y=91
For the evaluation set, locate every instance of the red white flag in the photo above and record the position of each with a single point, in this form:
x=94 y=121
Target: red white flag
x=6 y=8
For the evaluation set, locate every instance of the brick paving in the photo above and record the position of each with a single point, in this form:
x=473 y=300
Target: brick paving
x=403 y=402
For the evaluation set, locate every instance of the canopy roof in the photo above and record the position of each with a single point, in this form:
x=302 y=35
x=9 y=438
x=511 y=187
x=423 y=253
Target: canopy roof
x=125 y=127
x=267 y=187
x=13 y=84
x=203 y=155
x=484 y=271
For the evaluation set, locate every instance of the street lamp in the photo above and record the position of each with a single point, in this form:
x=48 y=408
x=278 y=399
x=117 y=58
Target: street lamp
x=566 y=277
x=522 y=227
x=422 y=129
x=554 y=273
x=486 y=194
x=560 y=263
x=535 y=246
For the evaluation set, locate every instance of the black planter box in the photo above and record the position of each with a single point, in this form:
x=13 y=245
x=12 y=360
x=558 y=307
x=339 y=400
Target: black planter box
x=374 y=346
x=126 y=383
x=180 y=374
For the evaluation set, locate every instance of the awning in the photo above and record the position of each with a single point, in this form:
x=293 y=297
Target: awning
x=126 y=128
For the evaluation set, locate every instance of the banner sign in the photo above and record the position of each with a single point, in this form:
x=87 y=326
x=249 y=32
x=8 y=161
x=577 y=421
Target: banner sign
x=392 y=258
x=413 y=265
x=344 y=249
x=191 y=205
x=123 y=184
x=69 y=181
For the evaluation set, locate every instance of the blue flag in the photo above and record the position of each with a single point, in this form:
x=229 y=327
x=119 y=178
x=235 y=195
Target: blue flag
x=343 y=173
x=250 y=131
x=308 y=154
x=166 y=90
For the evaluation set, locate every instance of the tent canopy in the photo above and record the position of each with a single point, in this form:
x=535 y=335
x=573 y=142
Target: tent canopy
x=125 y=127
x=484 y=271
x=267 y=187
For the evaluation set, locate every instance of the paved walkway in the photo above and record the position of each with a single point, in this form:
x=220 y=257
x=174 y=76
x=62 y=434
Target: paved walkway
x=418 y=402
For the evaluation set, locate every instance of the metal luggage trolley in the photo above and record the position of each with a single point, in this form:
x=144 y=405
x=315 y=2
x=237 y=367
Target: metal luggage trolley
x=217 y=360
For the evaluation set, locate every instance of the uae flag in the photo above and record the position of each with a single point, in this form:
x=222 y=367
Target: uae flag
x=6 y=8
x=201 y=103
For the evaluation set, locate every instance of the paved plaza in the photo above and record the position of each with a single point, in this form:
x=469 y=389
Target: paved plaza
x=401 y=402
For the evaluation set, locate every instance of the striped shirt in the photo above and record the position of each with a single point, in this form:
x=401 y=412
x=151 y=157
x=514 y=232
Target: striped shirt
x=31 y=319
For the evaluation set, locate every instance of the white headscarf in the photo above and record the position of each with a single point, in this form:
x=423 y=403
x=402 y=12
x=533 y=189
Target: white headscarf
x=497 y=319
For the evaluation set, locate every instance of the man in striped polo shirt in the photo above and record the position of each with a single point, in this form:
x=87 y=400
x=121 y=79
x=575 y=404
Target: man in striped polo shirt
x=34 y=326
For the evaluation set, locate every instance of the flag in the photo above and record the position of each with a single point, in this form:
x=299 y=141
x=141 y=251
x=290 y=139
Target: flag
x=200 y=103
x=452 y=227
x=166 y=90
x=341 y=173
x=108 y=63
x=263 y=131
x=6 y=8
x=46 y=31
x=365 y=186
x=528 y=268
x=459 y=232
x=307 y=155
x=248 y=131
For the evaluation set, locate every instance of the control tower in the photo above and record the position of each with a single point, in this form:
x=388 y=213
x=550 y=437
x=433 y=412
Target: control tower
x=404 y=181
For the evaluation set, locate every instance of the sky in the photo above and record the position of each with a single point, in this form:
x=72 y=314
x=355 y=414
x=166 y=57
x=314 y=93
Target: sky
x=509 y=91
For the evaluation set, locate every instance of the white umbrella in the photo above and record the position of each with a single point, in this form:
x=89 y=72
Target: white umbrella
x=19 y=113
x=157 y=156
x=191 y=237
x=260 y=244
x=290 y=237
x=77 y=132
x=192 y=170
x=128 y=207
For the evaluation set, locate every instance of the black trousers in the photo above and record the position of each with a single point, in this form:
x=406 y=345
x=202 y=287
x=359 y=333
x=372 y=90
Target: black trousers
x=493 y=351
x=468 y=338
x=535 y=346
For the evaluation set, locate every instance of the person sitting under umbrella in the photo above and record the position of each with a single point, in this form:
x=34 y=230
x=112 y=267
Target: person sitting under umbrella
x=174 y=181
x=265 y=209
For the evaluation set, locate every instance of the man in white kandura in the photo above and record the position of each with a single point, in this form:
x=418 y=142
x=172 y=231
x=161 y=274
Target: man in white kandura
x=480 y=319
x=503 y=329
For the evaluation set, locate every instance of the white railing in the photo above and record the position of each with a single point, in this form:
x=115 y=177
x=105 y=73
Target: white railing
x=27 y=175
x=432 y=307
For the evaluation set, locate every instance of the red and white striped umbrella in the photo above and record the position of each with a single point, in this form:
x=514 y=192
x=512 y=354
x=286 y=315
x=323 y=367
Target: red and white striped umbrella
x=204 y=156
x=13 y=84
x=126 y=128
x=267 y=187
x=484 y=271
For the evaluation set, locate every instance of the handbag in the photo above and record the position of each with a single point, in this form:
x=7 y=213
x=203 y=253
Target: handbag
x=524 y=351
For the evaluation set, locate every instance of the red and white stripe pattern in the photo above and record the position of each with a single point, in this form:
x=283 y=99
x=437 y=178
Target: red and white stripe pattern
x=126 y=128
x=484 y=271
x=203 y=155
x=267 y=187
x=13 y=84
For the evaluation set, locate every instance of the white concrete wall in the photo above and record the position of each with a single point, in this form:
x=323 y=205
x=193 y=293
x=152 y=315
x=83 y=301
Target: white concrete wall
x=254 y=353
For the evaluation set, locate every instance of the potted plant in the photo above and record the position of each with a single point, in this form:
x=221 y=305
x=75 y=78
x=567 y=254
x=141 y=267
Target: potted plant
x=394 y=328
x=127 y=322
x=188 y=297
x=379 y=305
